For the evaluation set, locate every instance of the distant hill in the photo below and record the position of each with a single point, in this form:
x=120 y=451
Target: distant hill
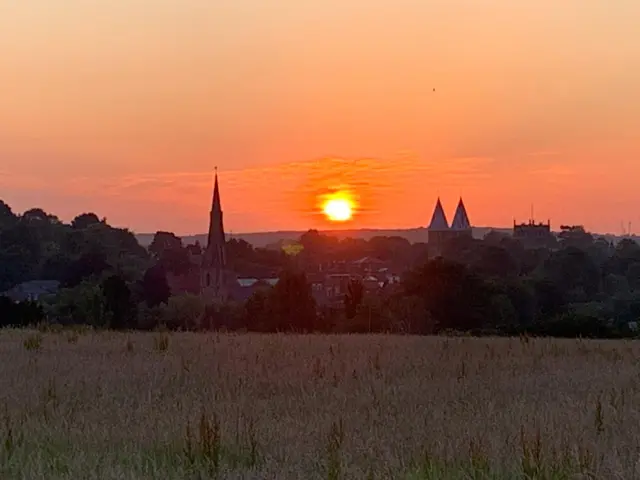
x=264 y=239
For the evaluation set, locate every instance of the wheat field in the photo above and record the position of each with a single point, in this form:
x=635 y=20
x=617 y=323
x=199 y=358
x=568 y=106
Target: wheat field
x=193 y=406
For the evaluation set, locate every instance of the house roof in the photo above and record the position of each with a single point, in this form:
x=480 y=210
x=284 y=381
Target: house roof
x=368 y=260
x=32 y=289
x=250 y=282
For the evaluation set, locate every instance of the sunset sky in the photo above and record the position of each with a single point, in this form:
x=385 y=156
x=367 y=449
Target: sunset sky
x=124 y=108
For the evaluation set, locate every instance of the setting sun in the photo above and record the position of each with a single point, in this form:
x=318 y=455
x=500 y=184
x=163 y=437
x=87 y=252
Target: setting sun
x=338 y=210
x=338 y=206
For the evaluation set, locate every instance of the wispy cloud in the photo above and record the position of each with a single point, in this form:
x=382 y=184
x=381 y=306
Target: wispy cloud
x=554 y=171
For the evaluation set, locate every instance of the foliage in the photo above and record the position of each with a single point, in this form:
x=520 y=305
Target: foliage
x=150 y=318
x=21 y=314
x=38 y=246
x=184 y=312
x=454 y=296
x=84 y=221
x=353 y=298
x=289 y=305
x=118 y=302
x=84 y=303
x=164 y=241
x=155 y=289
x=580 y=286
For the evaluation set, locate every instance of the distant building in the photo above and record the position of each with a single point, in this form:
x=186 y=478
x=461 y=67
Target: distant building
x=248 y=286
x=534 y=235
x=330 y=285
x=368 y=265
x=439 y=230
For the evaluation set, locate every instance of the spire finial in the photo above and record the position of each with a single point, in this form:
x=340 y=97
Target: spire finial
x=216 y=192
x=215 y=169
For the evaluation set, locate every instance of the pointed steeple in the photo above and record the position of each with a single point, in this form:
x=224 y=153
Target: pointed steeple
x=216 y=193
x=215 y=251
x=461 y=219
x=438 y=219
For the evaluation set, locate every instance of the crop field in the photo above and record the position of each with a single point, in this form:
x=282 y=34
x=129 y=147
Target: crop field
x=106 y=405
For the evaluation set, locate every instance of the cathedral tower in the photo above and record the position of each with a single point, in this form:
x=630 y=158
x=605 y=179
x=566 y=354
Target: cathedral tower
x=438 y=230
x=461 y=224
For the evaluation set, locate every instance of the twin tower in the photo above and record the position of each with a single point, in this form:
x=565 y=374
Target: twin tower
x=439 y=230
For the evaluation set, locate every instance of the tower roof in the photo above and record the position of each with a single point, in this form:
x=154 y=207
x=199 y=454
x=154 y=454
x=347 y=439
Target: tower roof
x=461 y=219
x=438 y=219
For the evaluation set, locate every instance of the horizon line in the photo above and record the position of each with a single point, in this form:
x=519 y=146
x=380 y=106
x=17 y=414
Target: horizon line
x=365 y=229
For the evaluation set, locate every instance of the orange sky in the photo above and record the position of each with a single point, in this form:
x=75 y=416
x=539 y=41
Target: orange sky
x=123 y=108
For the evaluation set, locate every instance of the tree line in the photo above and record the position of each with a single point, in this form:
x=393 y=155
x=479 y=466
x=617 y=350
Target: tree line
x=584 y=286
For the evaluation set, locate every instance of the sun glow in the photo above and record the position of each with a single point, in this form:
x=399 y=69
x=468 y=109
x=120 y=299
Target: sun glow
x=339 y=207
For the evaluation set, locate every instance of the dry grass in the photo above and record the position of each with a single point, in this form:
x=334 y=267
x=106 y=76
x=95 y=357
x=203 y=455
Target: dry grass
x=190 y=406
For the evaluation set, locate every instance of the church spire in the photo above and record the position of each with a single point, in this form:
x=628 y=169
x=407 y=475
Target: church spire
x=214 y=253
x=438 y=219
x=461 y=219
x=216 y=206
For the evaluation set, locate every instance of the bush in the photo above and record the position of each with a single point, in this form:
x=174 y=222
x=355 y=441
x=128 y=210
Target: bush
x=573 y=325
x=21 y=314
x=150 y=318
x=184 y=312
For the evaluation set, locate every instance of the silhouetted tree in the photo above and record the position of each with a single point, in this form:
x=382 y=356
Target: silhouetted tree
x=21 y=314
x=84 y=303
x=574 y=272
x=89 y=265
x=633 y=275
x=195 y=248
x=7 y=217
x=118 y=302
x=353 y=297
x=575 y=236
x=453 y=296
x=291 y=303
x=176 y=261
x=550 y=299
x=257 y=311
x=164 y=241
x=495 y=261
x=84 y=220
x=38 y=215
x=155 y=289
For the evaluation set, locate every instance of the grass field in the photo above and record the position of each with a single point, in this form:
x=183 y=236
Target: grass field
x=194 y=406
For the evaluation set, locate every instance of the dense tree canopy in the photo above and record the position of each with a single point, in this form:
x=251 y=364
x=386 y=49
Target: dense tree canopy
x=584 y=285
